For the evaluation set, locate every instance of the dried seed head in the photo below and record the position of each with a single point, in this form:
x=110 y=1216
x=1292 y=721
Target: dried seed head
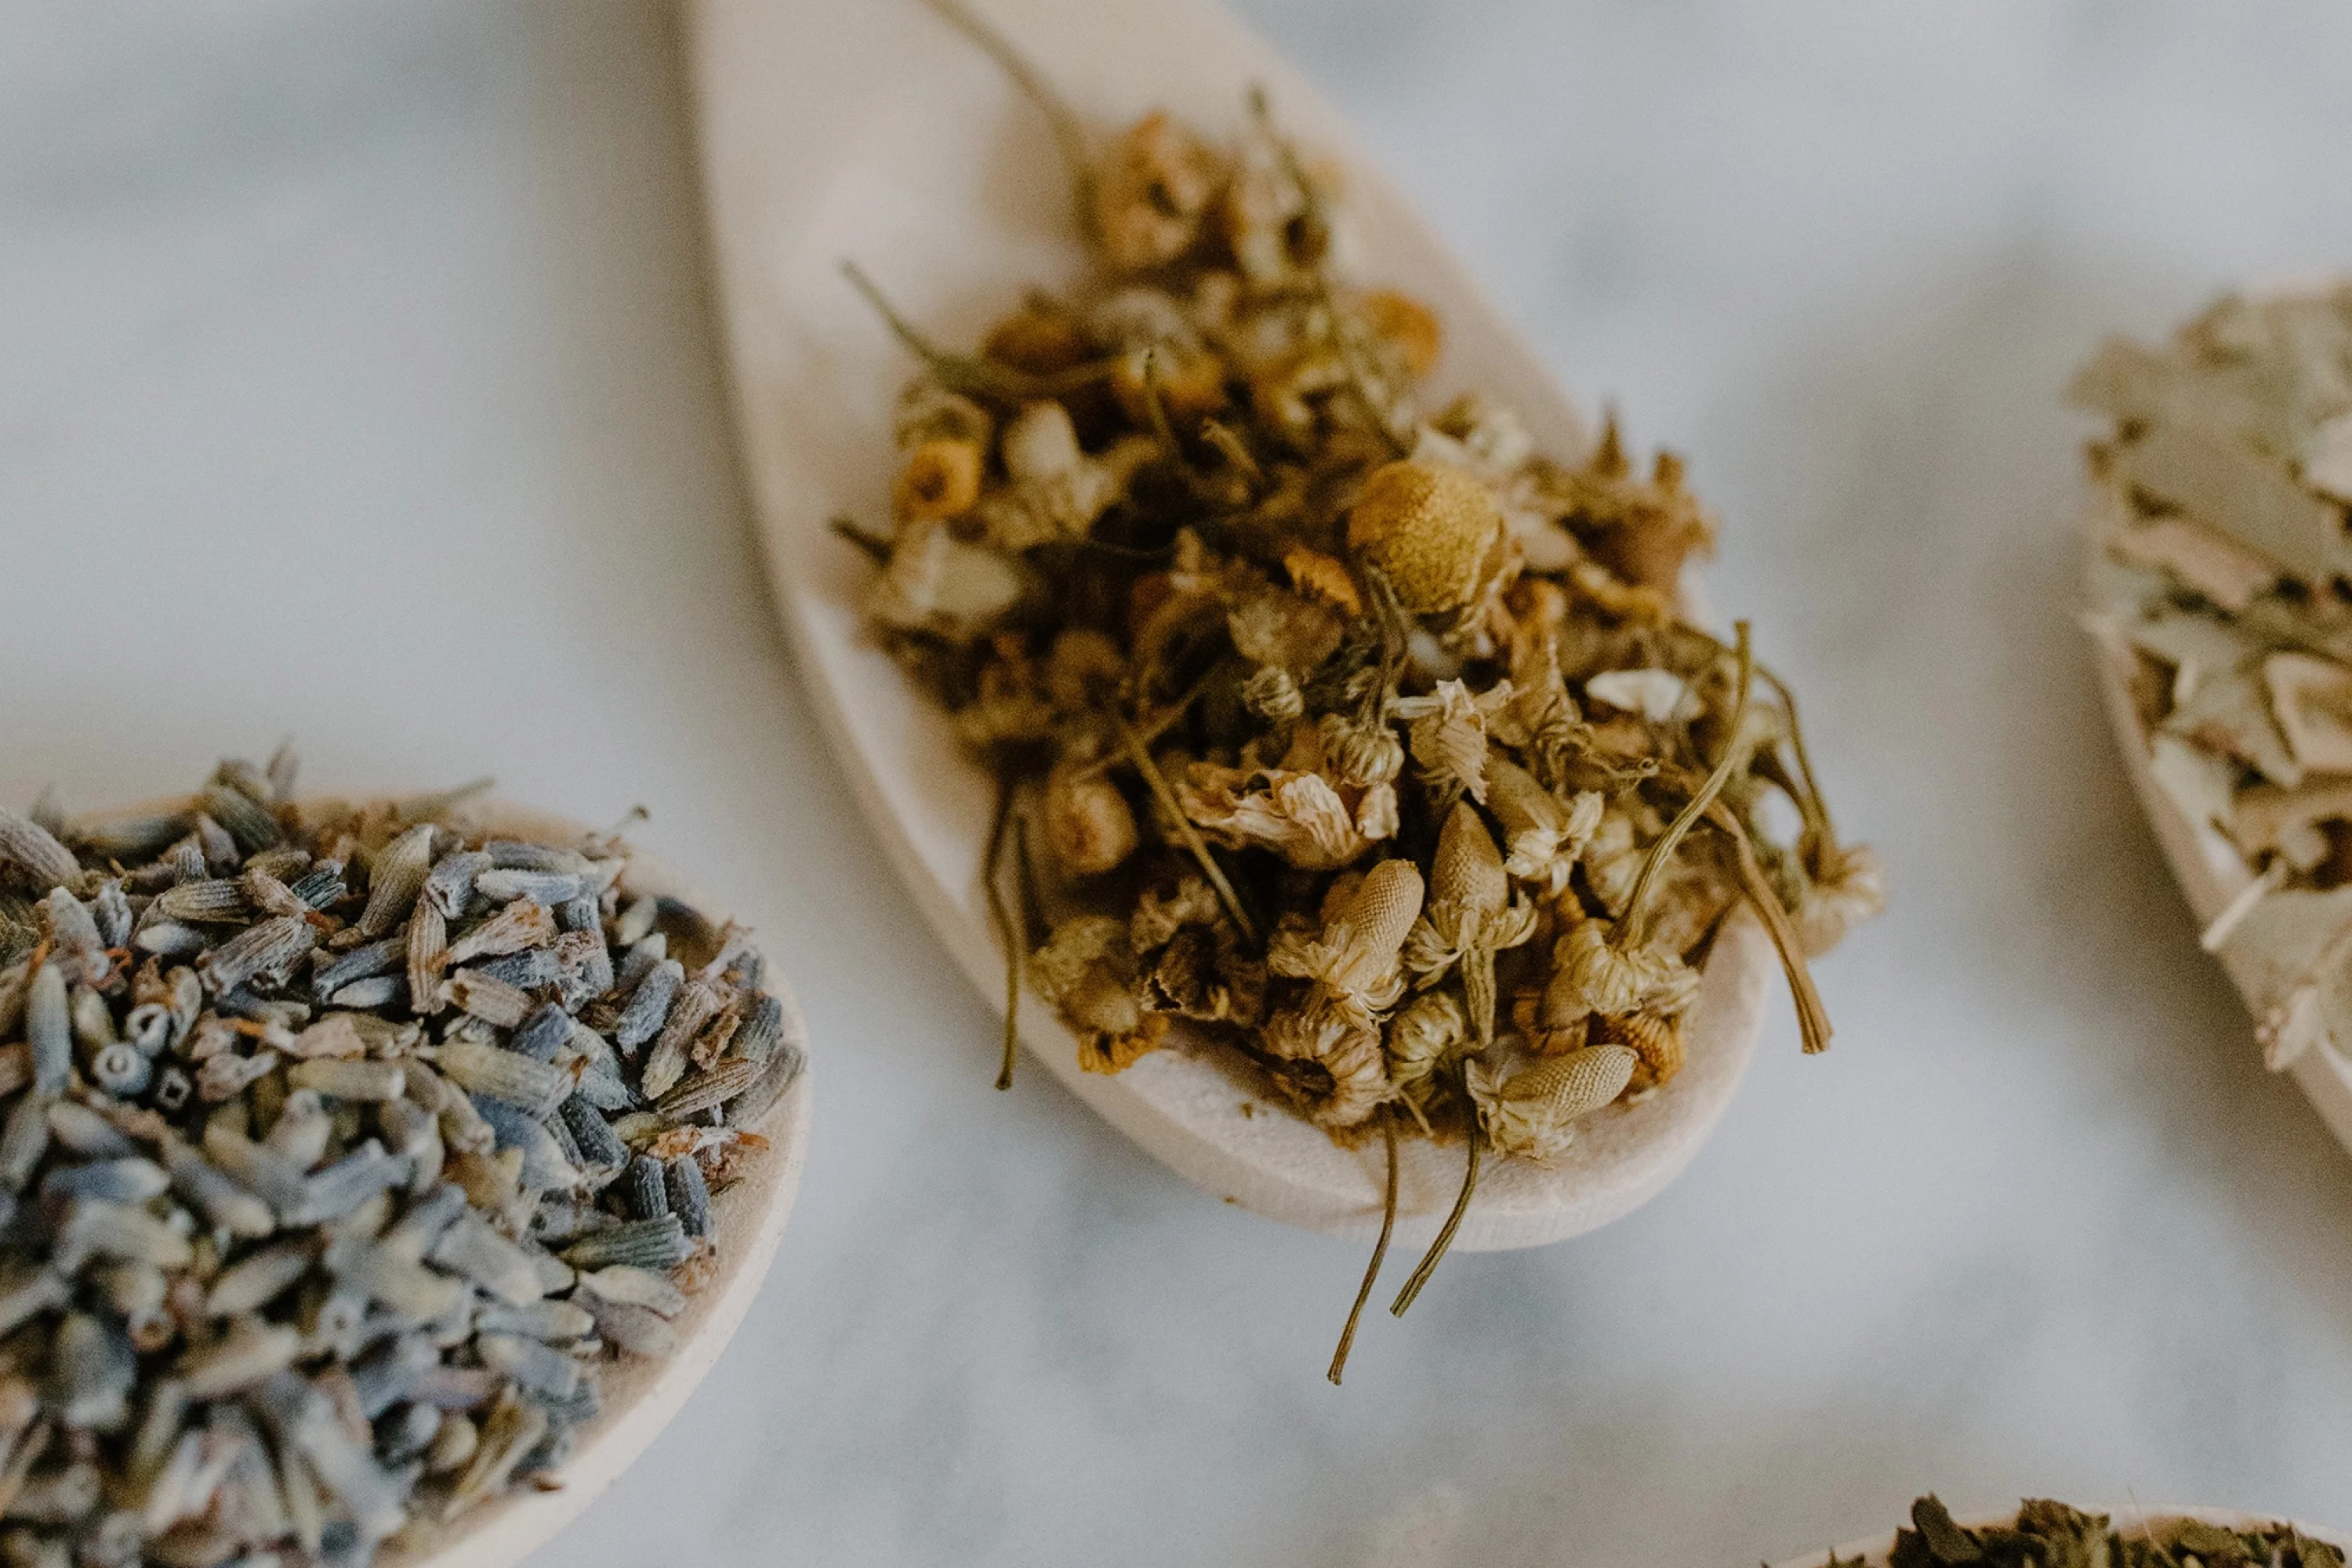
x=1150 y=191
x=1336 y=1071
x=1467 y=873
x=1522 y=804
x=1088 y=825
x=1272 y=694
x=1362 y=754
x=1423 y=1032
x=1602 y=978
x=1430 y=527
x=1374 y=926
x=939 y=481
x=1533 y=1113
x=1848 y=886
x=1658 y=1041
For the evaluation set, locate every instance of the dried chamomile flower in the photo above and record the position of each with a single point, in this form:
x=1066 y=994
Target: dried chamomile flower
x=1424 y=1036
x=939 y=481
x=1328 y=1060
x=1057 y=489
x=1355 y=957
x=1654 y=1037
x=1086 y=973
x=1088 y=825
x=1447 y=733
x=1302 y=817
x=1432 y=530
x=1592 y=973
x=1847 y=886
x=935 y=582
x=1152 y=191
x=1543 y=837
x=1471 y=916
x=1533 y=1112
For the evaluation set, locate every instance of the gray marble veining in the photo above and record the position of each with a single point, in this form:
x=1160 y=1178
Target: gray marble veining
x=357 y=380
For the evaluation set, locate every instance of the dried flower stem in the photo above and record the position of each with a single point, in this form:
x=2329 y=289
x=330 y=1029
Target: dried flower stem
x=1015 y=945
x=1140 y=755
x=1812 y=1018
x=1635 y=925
x=1156 y=406
x=1380 y=1256
x=1360 y=374
x=1233 y=449
x=970 y=376
x=1068 y=132
x=874 y=544
x=1437 y=1250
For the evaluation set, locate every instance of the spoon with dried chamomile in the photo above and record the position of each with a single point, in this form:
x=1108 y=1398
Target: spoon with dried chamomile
x=375 y=1177
x=1310 y=742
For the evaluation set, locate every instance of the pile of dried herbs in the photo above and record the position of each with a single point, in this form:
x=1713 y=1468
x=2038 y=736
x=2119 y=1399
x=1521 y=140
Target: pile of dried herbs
x=2224 y=593
x=2047 y=1534
x=338 y=1148
x=1355 y=732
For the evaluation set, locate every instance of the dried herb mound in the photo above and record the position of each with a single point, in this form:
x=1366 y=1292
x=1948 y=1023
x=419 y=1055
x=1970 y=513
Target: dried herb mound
x=1342 y=724
x=338 y=1149
x=2047 y=1534
x=2222 y=596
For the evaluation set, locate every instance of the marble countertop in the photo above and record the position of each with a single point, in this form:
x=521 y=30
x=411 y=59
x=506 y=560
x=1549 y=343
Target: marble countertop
x=358 y=381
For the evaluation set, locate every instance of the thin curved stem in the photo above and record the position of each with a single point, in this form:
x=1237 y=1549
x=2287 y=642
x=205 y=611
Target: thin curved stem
x=1069 y=133
x=991 y=877
x=1140 y=755
x=1635 y=925
x=1437 y=1249
x=1380 y=1256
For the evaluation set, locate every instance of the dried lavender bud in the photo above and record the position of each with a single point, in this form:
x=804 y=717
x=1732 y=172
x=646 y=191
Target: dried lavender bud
x=260 y=1188
x=644 y=1193
x=689 y=1194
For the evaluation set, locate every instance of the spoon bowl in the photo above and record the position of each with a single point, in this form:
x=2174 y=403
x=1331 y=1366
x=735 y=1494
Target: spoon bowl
x=640 y=1395
x=878 y=133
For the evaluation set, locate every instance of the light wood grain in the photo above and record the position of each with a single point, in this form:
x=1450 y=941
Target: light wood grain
x=875 y=132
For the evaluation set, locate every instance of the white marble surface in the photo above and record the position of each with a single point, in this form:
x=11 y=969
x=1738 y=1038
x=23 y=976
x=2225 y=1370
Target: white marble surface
x=356 y=382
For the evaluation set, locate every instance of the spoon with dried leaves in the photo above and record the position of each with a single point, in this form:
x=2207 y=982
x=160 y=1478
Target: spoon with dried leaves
x=1270 y=687
x=2217 y=568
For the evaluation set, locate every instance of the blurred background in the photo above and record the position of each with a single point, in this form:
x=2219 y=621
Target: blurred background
x=359 y=382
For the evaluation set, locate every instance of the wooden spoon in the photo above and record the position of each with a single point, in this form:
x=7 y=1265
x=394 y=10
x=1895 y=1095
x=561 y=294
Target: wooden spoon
x=877 y=132
x=2132 y=1521
x=640 y=1395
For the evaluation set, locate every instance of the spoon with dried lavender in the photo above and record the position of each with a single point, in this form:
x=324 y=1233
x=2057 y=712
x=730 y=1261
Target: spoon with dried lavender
x=2053 y=1535
x=2219 y=560
x=1326 y=742
x=376 y=1177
